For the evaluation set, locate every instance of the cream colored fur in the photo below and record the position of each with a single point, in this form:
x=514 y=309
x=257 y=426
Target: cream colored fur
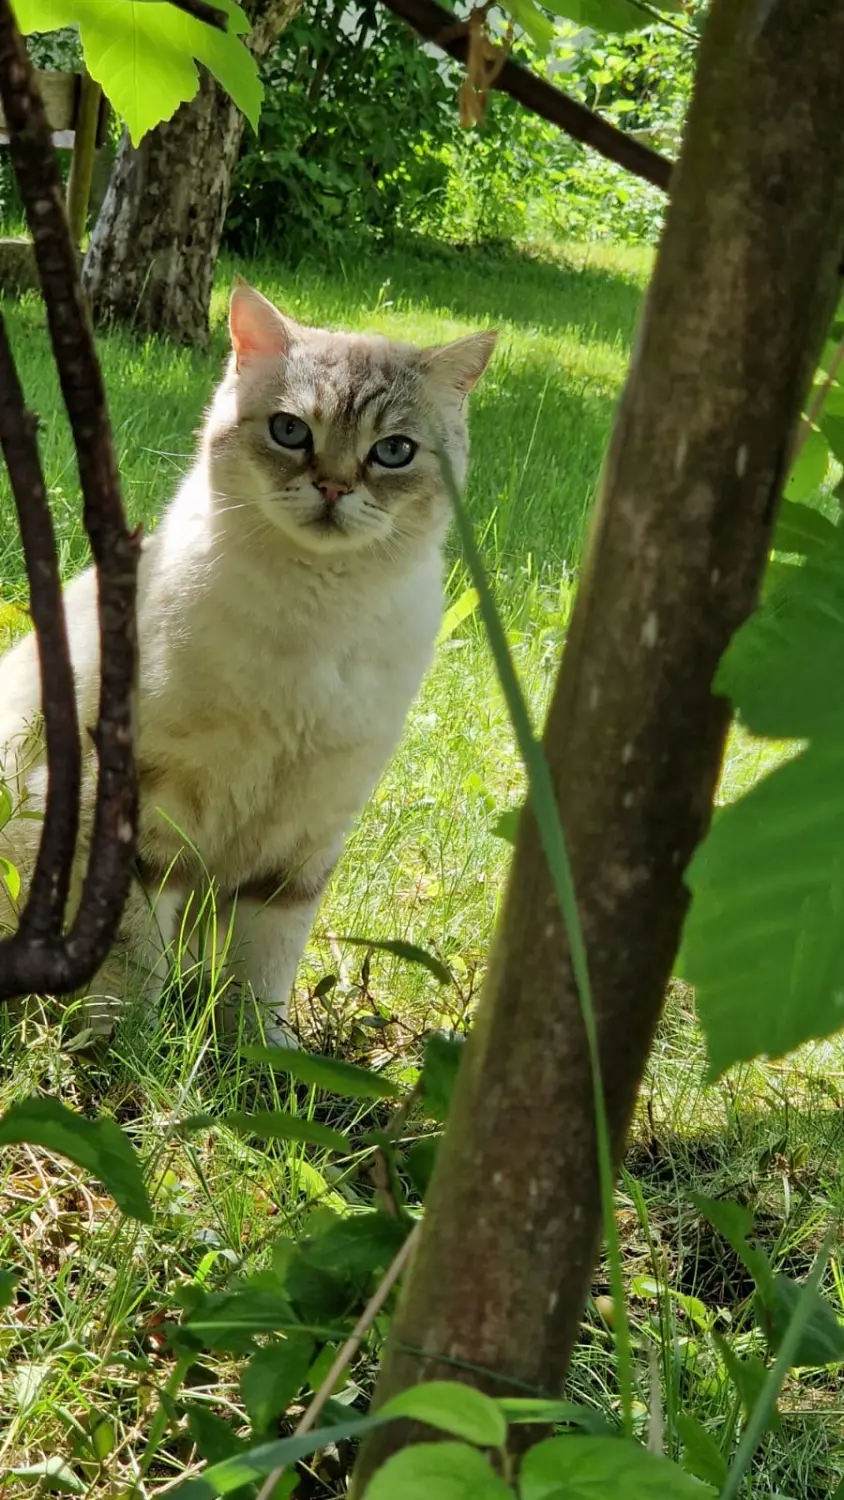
x=282 y=638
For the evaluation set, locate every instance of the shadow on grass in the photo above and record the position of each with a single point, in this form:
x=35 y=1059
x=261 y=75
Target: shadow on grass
x=482 y=284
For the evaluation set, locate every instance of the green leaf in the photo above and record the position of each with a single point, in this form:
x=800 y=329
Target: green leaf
x=325 y=1072
x=102 y=1434
x=229 y=1319
x=466 y=605
x=506 y=825
x=10 y=877
x=256 y=1463
x=701 y=1454
x=604 y=15
x=420 y=1162
x=780 y=668
x=437 y=1471
x=748 y=1376
x=359 y=1244
x=52 y=1474
x=809 y=471
x=443 y=1056
x=271 y=1124
x=8 y=1287
x=832 y=427
x=536 y=1409
x=764 y=940
x=143 y=51
x=735 y=1223
x=97 y=1146
x=822 y=1339
x=317 y=1295
x=273 y=1377
x=541 y=32
x=408 y=951
x=588 y=1468
x=6 y=804
x=802 y=530
x=214 y=1438
x=452 y=1407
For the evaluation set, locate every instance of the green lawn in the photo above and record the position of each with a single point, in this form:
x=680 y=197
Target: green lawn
x=424 y=864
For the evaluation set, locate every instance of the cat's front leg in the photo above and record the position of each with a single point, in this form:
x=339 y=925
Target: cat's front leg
x=268 y=941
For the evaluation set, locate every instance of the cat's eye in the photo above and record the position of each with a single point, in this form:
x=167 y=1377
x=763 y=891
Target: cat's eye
x=288 y=431
x=393 y=452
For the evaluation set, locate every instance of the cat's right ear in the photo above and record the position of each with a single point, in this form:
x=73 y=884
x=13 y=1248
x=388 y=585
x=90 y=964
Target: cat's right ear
x=258 y=330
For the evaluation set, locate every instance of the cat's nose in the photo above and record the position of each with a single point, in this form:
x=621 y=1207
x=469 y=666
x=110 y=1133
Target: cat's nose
x=331 y=489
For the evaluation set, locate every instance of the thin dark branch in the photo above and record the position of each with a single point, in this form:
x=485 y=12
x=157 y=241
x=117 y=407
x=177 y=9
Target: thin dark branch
x=437 y=25
x=203 y=12
x=48 y=893
x=65 y=964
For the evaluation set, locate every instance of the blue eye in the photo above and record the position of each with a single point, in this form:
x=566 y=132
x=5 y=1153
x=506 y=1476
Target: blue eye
x=393 y=452
x=289 y=432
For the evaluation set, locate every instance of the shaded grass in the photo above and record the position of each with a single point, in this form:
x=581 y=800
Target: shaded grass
x=424 y=864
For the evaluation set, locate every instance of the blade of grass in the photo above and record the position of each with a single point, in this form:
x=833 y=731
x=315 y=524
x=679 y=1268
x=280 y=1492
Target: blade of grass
x=541 y=792
x=760 y=1416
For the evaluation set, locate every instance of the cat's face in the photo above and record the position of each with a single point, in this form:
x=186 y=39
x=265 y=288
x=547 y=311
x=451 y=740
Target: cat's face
x=333 y=435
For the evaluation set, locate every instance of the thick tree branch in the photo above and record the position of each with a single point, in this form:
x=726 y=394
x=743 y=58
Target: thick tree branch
x=30 y=959
x=437 y=25
x=744 y=285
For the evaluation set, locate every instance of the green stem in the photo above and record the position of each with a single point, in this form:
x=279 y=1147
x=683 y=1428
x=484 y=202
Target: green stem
x=541 y=791
x=158 y=1425
x=760 y=1416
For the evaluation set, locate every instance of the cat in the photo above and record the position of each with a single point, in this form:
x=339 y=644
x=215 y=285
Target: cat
x=289 y=602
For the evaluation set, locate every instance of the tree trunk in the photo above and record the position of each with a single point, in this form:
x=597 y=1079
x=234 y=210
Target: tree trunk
x=743 y=288
x=151 y=259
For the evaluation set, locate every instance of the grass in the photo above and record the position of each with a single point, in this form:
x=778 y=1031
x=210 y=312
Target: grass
x=82 y=1347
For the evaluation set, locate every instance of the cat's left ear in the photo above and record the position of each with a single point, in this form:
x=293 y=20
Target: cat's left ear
x=258 y=330
x=460 y=365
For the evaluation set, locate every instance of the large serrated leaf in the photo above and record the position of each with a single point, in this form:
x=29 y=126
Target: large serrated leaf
x=97 y=1146
x=143 y=53
x=764 y=940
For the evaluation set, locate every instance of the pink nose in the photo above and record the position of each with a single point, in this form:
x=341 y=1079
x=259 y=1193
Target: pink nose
x=331 y=489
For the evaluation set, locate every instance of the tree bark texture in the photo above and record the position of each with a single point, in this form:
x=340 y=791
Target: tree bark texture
x=150 y=262
x=744 y=285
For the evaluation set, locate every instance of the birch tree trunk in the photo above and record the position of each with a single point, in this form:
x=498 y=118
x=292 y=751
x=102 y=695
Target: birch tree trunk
x=744 y=285
x=151 y=259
